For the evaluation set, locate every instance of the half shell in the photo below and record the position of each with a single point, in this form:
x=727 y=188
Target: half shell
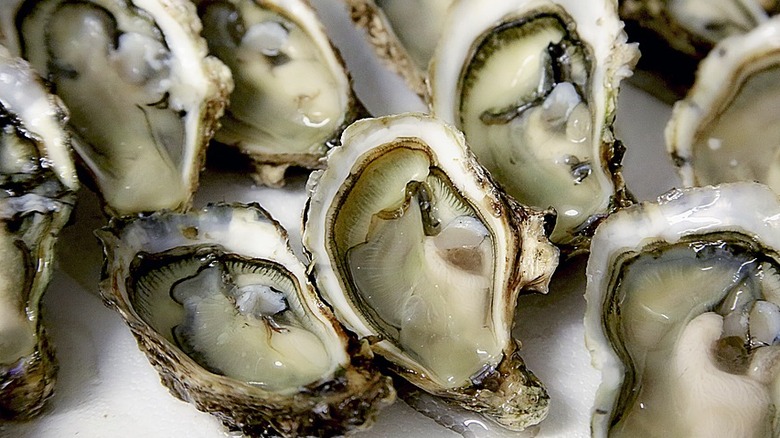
x=37 y=184
x=224 y=311
x=533 y=85
x=144 y=98
x=683 y=315
x=415 y=248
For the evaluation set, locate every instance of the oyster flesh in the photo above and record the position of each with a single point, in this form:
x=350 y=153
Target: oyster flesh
x=223 y=309
x=533 y=85
x=143 y=97
x=37 y=191
x=292 y=93
x=727 y=128
x=415 y=248
x=683 y=315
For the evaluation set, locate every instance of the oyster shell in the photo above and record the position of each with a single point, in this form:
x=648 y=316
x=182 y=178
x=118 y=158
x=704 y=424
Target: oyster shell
x=415 y=248
x=37 y=184
x=403 y=33
x=683 y=315
x=224 y=311
x=726 y=128
x=293 y=95
x=143 y=97
x=533 y=85
x=676 y=34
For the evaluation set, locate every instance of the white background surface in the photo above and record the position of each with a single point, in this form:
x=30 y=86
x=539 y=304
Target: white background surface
x=106 y=388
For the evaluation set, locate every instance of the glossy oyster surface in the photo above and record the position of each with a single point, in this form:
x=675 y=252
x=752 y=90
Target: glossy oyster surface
x=37 y=182
x=293 y=95
x=415 y=248
x=533 y=85
x=143 y=96
x=224 y=311
x=683 y=315
x=726 y=129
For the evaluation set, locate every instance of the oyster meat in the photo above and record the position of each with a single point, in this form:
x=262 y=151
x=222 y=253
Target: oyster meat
x=37 y=191
x=683 y=315
x=533 y=85
x=292 y=93
x=415 y=248
x=223 y=309
x=143 y=97
x=727 y=128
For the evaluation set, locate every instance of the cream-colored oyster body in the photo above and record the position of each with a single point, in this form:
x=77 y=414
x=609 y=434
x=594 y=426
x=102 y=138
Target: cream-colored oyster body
x=533 y=85
x=726 y=129
x=292 y=95
x=414 y=247
x=143 y=97
x=223 y=309
x=37 y=192
x=683 y=315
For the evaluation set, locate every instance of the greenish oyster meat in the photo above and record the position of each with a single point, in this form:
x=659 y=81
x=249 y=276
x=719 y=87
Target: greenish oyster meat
x=534 y=86
x=37 y=192
x=683 y=316
x=143 y=97
x=224 y=311
x=293 y=96
x=414 y=247
x=726 y=128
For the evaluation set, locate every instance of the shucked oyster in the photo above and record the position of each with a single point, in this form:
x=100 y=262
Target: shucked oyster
x=533 y=85
x=293 y=95
x=683 y=315
x=727 y=128
x=414 y=246
x=37 y=184
x=143 y=98
x=224 y=311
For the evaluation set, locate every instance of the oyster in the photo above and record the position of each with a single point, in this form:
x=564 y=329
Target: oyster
x=726 y=128
x=415 y=248
x=293 y=96
x=676 y=34
x=224 y=311
x=142 y=95
x=37 y=184
x=403 y=33
x=533 y=85
x=683 y=315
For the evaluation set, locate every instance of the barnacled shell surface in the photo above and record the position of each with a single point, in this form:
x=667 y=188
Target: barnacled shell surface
x=414 y=247
x=144 y=98
x=533 y=85
x=683 y=315
x=727 y=128
x=37 y=191
x=224 y=311
x=292 y=94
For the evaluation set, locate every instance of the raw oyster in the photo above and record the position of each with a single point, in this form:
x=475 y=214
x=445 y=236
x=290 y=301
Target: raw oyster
x=37 y=184
x=414 y=247
x=533 y=85
x=223 y=309
x=293 y=95
x=726 y=128
x=676 y=34
x=683 y=315
x=142 y=95
x=403 y=33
